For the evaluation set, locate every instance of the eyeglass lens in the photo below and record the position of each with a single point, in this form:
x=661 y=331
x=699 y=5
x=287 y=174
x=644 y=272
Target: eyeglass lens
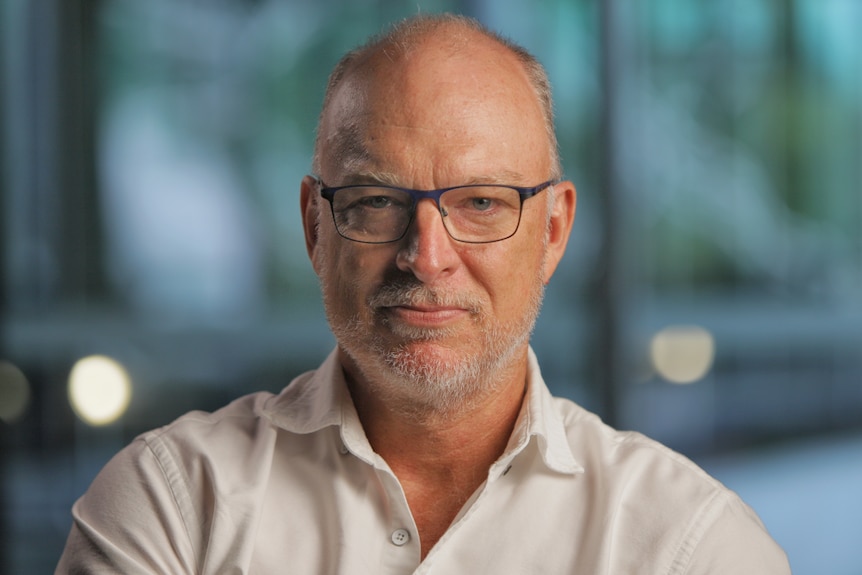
x=471 y=214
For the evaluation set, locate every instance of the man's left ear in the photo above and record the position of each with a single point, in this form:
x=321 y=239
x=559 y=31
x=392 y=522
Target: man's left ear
x=559 y=225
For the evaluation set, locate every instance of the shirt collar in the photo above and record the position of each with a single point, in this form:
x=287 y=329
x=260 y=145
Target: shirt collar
x=320 y=399
x=540 y=420
x=312 y=401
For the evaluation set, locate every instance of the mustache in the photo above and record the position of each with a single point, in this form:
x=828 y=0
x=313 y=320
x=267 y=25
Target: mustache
x=407 y=292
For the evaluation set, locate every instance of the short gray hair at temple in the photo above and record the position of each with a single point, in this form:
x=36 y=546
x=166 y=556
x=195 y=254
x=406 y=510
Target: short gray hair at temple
x=409 y=33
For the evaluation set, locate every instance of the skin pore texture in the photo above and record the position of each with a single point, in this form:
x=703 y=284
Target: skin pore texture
x=433 y=333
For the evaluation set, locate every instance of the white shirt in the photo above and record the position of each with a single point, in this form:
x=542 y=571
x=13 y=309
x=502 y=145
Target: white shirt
x=289 y=484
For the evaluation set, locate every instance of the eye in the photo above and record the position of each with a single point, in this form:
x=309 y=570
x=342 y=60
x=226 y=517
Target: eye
x=374 y=199
x=481 y=204
x=375 y=202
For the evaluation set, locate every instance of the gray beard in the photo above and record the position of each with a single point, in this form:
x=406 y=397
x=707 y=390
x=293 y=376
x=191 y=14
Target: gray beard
x=420 y=384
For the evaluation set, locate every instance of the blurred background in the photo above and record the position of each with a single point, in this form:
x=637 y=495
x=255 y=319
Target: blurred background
x=153 y=261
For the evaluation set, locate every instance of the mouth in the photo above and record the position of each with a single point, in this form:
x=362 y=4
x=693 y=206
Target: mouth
x=428 y=316
x=420 y=307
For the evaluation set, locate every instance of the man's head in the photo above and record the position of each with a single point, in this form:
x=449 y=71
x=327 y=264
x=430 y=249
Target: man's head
x=427 y=321
x=406 y=37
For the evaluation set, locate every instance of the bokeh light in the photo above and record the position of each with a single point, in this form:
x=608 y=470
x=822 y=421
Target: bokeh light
x=100 y=390
x=14 y=392
x=682 y=354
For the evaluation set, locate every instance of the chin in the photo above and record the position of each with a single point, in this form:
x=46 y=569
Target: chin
x=435 y=381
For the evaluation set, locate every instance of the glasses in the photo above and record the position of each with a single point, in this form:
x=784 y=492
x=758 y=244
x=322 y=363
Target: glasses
x=378 y=214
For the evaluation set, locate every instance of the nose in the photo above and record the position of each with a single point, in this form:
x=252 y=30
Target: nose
x=427 y=251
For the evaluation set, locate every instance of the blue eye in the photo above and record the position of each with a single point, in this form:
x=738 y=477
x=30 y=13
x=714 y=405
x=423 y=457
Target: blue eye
x=376 y=202
x=481 y=204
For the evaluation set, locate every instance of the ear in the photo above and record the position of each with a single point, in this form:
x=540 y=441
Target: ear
x=308 y=205
x=559 y=226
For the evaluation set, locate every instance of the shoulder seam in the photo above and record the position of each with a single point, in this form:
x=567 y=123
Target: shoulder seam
x=175 y=479
x=693 y=534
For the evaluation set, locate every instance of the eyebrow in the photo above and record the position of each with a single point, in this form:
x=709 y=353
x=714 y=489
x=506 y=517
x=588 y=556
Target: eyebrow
x=360 y=177
x=501 y=177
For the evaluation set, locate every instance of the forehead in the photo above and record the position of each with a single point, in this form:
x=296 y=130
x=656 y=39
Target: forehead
x=443 y=105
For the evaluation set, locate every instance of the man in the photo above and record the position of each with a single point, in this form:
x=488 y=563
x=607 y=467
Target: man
x=427 y=442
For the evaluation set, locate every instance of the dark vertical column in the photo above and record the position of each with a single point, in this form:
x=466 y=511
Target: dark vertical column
x=6 y=49
x=50 y=231
x=80 y=223
x=52 y=212
x=611 y=288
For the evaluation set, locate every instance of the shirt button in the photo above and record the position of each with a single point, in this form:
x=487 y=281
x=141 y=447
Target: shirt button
x=400 y=537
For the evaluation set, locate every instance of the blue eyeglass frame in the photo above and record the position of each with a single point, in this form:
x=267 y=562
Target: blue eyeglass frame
x=525 y=193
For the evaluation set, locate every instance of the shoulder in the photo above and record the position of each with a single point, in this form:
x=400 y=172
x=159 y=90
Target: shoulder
x=180 y=461
x=177 y=466
x=658 y=498
x=202 y=448
x=154 y=501
x=634 y=456
x=628 y=464
x=236 y=423
x=191 y=445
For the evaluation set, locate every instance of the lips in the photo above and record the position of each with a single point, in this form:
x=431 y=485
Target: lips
x=426 y=316
x=416 y=306
x=421 y=298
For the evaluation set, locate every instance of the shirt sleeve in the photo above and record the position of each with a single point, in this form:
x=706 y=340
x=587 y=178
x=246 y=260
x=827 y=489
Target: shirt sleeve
x=130 y=520
x=731 y=539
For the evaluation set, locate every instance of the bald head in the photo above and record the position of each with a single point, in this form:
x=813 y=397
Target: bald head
x=376 y=69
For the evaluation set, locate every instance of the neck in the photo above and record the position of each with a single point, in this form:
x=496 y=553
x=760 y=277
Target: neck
x=440 y=457
x=473 y=433
x=434 y=445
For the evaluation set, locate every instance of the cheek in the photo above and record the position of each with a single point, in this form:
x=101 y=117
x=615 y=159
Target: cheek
x=507 y=274
x=514 y=274
x=349 y=274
